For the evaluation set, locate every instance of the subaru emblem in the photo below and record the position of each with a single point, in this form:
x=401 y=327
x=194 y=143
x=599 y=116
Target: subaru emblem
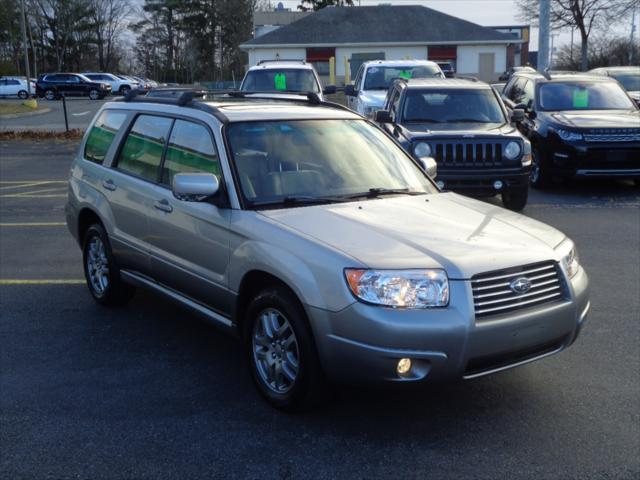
x=520 y=285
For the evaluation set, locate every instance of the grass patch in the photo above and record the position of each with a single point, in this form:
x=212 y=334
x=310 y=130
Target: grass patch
x=74 y=134
x=15 y=106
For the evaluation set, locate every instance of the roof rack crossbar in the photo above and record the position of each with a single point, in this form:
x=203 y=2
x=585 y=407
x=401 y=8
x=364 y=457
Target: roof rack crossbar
x=185 y=100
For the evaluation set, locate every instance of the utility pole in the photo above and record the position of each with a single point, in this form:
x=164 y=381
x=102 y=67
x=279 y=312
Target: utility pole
x=543 y=36
x=26 y=48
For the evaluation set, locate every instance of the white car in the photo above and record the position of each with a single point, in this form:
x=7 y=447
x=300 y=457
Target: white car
x=284 y=76
x=13 y=86
x=369 y=89
x=118 y=85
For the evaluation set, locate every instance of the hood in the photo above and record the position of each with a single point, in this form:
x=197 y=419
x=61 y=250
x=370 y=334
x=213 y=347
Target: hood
x=598 y=118
x=374 y=98
x=481 y=129
x=443 y=230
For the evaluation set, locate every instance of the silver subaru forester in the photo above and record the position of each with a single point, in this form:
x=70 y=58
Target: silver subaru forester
x=308 y=232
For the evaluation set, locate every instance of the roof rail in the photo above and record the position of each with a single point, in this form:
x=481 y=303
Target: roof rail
x=276 y=60
x=311 y=98
x=184 y=100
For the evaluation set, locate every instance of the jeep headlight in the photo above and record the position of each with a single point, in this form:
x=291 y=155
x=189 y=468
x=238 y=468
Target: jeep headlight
x=569 y=257
x=422 y=149
x=512 y=150
x=400 y=288
x=568 y=136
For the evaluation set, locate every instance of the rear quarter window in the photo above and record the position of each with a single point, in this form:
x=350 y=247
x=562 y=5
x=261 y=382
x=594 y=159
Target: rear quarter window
x=102 y=134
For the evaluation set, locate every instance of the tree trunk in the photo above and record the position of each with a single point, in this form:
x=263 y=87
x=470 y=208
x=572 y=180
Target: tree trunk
x=584 y=49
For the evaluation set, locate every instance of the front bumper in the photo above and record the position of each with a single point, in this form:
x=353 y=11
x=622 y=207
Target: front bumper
x=483 y=182
x=363 y=343
x=596 y=160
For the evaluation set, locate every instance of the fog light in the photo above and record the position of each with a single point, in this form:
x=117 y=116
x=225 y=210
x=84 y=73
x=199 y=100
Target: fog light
x=404 y=365
x=440 y=184
x=497 y=184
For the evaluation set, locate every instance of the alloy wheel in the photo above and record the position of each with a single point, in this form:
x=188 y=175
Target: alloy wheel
x=535 y=168
x=275 y=351
x=98 y=266
x=50 y=95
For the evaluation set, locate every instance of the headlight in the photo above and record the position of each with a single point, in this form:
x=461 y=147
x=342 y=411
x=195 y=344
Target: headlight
x=569 y=257
x=422 y=149
x=512 y=150
x=568 y=136
x=400 y=288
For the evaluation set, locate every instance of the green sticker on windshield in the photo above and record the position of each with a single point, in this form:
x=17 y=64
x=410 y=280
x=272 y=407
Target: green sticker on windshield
x=280 y=81
x=580 y=98
x=406 y=74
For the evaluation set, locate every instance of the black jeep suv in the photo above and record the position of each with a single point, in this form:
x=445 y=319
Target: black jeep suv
x=53 y=85
x=464 y=126
x=578 y=125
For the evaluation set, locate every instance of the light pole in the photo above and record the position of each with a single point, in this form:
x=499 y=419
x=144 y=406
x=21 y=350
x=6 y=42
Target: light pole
x=543 y=36
x=26 y=49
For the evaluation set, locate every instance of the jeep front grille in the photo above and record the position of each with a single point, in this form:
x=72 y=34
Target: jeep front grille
x=457 y=154
x=492 y=294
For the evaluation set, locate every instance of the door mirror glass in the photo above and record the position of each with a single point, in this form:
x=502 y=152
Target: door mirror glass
x=195 y=187
x=350 y=90
x=383 y=116
x=429 y=165
x=517 y=115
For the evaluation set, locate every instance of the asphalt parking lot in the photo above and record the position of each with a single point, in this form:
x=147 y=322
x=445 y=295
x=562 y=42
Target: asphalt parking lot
x=148 y=391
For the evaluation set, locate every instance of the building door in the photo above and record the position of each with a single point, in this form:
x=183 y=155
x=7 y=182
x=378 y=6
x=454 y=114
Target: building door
x=487 y=66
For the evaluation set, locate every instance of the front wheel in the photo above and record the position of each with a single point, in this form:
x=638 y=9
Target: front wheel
x=23 y=95
x=540 y=176
x=281 y=351
x=50 y=94
x=124 y=89
x=515 y=198
x=101 y=271
x=94 y=94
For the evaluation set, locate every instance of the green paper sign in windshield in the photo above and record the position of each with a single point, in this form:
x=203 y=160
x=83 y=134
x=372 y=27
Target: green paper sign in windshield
x=580 y=98
x=280 y=81
x=406 y=74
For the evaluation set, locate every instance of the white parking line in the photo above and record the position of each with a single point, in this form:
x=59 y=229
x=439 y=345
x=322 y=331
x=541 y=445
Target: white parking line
x=32 y=224
x=52 y=281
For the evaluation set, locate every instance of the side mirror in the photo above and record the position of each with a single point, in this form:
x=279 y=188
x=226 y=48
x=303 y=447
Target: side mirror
x=195 y=187
x=350 y=90
x=382 y=116
x=517 y=115
x=429 y=165
x=329 y=90
x=520 y=106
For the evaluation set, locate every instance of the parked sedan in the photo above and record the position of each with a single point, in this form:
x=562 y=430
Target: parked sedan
x=15 y=87
x=53 y=85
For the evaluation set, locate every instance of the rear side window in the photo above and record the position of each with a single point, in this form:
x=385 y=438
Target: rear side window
x=102 y=134
x=142 y=151
x=191 y=150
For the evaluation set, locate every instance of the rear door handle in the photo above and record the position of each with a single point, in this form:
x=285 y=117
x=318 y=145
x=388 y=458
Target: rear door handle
x=109 y=185
x=163 y=205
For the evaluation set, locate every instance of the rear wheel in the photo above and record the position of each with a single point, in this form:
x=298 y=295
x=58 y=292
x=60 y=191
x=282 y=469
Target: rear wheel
x=23 y=95
x=101 y=271
x=540 y=175
x=281 y=351
x=50 y=94
x=515 y=198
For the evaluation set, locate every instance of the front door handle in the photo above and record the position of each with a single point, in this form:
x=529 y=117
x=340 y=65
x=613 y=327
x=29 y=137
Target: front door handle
x=109 y=185
x=163 y=205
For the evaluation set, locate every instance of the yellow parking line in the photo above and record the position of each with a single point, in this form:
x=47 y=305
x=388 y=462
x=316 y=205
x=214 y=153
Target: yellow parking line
x=32 y=224
x=23 y=185
x=52 y=281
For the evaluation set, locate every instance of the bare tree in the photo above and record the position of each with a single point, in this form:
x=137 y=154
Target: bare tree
x=109 y=20
x=583 y=15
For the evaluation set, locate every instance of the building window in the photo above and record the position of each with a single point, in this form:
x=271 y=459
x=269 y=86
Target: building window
x=319 y=58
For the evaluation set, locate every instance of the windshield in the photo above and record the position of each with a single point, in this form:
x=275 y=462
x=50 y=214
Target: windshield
x=583 y=96
x=452 y=106
x=381 y=78
x=630 y=81
x=313 y=159
x=283 y=79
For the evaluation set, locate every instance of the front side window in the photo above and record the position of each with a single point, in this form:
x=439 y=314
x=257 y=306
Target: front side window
x=556 y=96
x=102 y=134
x=142 y=151
x=281 y=79
x=319 y=158
x=452 y=106
x=191 y=150
x=381 y=78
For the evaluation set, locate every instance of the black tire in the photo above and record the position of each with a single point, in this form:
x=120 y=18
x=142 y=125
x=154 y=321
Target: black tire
x=116 y=292
x=309 y=387
x=540 y=176
x=124 y=89
x=50 y=94
x=23 y=95
x=94 y=94
x=515 y=198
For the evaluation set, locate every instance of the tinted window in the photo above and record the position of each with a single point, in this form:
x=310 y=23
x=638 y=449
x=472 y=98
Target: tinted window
x=380 y=78
x=584 y=96
x=629 y=81
x=191 y=150
x=142 y=150
x=13 y=82
x=452 y=106
x=102 y=134
x=293 y=79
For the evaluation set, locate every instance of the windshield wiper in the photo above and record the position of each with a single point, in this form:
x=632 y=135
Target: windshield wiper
x=466 y=120
x=378 y=192
x=299 y=200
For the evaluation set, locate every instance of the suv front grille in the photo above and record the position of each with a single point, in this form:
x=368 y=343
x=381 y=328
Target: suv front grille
x=613 y=135
x=457 y=154
x=493 y=295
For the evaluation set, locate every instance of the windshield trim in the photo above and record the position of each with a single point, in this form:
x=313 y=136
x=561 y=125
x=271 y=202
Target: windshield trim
x=246 y=204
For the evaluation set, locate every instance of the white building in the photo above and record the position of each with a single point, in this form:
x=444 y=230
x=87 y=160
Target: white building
x=385 y=32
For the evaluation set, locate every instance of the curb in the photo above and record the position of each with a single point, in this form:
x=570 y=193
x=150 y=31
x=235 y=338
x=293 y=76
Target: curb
x=25 y=114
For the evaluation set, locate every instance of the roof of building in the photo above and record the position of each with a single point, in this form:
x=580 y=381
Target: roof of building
x=382 y=24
